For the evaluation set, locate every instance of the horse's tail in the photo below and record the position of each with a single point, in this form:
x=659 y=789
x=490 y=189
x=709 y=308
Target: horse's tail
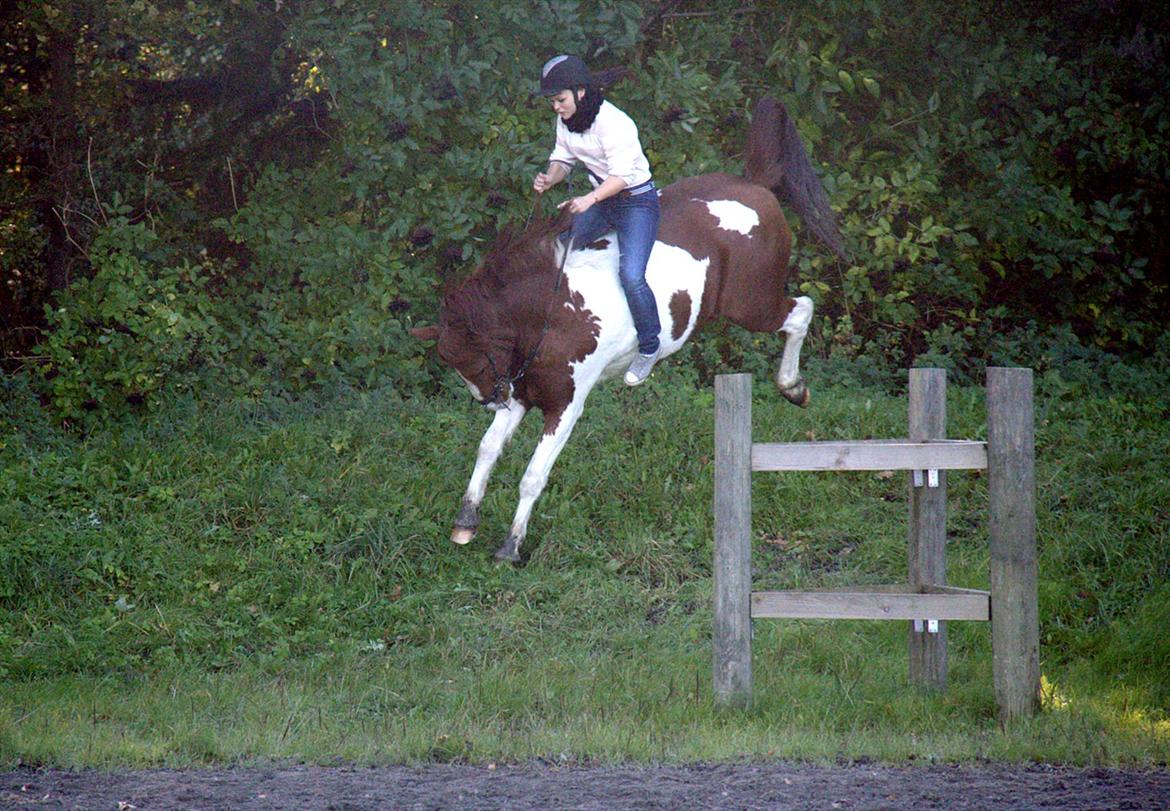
x=776 y=159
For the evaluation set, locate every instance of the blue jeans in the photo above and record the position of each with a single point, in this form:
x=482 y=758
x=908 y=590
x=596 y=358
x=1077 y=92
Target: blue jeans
x=635 y=219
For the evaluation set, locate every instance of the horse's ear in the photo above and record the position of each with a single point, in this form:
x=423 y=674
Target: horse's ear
x=430 y=333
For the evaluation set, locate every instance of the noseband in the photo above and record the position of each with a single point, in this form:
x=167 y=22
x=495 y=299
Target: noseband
x=501 y=381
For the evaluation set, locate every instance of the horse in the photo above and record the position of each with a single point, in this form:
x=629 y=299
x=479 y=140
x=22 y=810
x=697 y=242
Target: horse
x=539 y=323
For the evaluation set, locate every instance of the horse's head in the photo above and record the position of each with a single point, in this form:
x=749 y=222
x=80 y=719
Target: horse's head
x=472 y=341
x=481 y=317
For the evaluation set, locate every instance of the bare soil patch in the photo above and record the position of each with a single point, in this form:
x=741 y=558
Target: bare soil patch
x=536 y=785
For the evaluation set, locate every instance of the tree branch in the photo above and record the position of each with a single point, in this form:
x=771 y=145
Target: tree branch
x=92 y=185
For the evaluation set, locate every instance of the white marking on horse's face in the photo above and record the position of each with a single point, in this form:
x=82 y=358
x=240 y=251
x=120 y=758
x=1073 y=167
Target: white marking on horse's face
x=734 y=216
x=475 y=392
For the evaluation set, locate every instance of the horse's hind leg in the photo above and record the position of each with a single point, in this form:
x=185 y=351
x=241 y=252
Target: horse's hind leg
x=795 y=326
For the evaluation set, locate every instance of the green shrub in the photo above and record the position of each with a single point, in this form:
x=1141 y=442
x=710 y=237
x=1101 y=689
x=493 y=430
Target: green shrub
x=992 y=180
x=138 y=326
x=321 y=300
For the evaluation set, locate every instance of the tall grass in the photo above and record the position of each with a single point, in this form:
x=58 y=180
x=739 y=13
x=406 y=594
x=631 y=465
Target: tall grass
x=255 y=580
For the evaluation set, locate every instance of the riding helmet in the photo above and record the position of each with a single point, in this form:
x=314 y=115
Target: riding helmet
x=563 y=72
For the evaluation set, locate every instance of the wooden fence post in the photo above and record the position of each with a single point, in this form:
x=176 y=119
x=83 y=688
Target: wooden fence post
x=1015 y=625
x=733 y=540
x=927 y=552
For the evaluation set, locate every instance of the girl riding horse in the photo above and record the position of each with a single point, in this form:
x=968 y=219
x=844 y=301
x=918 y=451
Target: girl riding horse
x=595 y=133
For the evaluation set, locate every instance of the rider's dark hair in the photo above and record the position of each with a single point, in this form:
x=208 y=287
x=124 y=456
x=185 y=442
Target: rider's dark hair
x=587 y=107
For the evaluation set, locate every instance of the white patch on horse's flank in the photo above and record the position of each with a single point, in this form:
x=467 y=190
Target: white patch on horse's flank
x=594 y=275
x=673 y=269
x=733 y=215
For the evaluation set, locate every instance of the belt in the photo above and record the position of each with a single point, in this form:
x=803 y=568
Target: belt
x=641 y=188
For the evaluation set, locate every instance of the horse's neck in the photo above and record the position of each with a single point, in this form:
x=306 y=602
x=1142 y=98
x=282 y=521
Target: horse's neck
x=522 y=303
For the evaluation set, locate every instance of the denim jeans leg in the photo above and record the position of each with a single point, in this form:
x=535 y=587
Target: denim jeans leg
x=589 y=226
x=636 y=219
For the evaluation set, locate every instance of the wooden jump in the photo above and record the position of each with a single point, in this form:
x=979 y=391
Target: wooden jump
x=925 y=599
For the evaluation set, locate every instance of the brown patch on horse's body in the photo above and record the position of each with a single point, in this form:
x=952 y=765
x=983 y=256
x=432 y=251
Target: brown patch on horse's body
x=680 y=313
x=571 y=337
x=751 y=289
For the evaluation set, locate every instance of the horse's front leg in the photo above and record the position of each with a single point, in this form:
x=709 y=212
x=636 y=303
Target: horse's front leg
x=498 y=434
x=795 y=326
x=557 y=429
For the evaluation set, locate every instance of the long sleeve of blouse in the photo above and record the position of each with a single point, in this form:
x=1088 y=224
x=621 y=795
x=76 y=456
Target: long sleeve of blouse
x=610 y=147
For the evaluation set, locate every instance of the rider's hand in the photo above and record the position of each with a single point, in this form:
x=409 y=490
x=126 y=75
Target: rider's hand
x=579 y=205
x=542 y=183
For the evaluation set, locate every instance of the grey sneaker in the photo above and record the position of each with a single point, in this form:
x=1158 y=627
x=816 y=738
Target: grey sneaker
x=640 y=369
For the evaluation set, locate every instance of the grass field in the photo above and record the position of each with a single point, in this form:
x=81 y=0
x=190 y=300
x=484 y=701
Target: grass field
x=246 y=581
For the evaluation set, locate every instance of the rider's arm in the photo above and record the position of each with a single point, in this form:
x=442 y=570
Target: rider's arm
x=611 y=186
x=554 y=174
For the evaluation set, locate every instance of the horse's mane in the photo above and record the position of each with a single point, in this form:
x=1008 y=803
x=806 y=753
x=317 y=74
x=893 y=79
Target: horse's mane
x=519 y=252
x=516 y=255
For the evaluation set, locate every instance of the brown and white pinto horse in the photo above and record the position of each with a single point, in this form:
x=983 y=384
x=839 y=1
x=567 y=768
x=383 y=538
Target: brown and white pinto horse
x=535 y=328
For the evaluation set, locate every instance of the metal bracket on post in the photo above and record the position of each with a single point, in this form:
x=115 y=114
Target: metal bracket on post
x=930 y=480
x=927 y=626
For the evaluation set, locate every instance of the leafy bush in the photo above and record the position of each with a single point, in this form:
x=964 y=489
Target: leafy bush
x=136 y=327
x=993 y=182
x=320 y=300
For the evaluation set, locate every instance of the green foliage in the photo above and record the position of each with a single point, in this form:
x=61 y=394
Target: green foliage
x=326 y=308
x=685 y=106
x=960 y=162
x=136 y=327
x=991 y=180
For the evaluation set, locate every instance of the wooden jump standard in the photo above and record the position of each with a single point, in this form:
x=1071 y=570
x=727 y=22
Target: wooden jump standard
x=926 y=599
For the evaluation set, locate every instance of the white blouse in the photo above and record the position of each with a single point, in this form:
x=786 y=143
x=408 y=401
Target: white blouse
x=609 y=147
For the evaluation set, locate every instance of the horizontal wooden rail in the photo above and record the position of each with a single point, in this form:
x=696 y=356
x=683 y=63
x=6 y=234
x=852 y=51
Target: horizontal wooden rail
x=872 y=454
x=874 y=603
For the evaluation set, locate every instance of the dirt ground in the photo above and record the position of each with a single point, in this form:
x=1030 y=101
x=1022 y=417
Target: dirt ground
x=540 y=786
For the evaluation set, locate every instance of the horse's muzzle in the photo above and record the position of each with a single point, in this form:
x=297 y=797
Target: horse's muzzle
x=493 y=403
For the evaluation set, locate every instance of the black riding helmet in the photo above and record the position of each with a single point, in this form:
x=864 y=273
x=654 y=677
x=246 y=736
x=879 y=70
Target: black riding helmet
x=563 y=72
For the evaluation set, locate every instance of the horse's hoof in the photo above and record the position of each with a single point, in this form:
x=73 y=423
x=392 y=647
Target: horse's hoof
x=797 y=394
x=510 y=551
x=465 y=524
